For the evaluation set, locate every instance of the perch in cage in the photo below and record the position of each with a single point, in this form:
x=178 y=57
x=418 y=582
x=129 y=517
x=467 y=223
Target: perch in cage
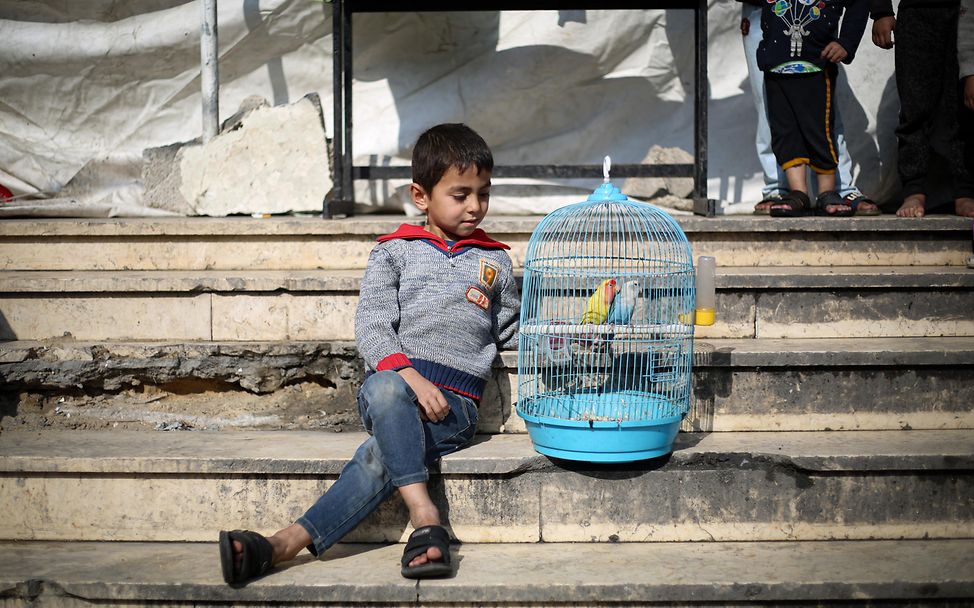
x=606 y=338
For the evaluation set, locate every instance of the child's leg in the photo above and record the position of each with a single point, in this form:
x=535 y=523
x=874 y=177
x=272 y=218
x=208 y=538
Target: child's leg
x=797 y=178
x=396 y=456
x=843 y=185
x=826 y=182
x=774 y=177
x=921 y=46
x=786 y=139
x=964 y=203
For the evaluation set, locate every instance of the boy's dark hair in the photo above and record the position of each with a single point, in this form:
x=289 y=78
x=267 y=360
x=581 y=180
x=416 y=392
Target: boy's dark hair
x=445 y=146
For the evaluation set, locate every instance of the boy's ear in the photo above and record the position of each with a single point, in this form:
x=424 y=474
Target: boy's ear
x=419 y=196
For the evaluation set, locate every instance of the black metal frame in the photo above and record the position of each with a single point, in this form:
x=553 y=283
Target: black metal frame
x=344 y=172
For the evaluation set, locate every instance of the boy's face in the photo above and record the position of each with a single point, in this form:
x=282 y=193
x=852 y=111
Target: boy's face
x=457 y=204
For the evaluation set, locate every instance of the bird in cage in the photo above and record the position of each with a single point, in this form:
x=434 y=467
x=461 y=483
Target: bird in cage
x=599 y=303
x=624 y=304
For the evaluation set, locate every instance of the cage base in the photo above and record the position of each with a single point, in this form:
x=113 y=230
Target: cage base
x=602 y=441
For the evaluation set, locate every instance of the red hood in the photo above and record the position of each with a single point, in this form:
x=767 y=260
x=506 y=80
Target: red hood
x=479 y=238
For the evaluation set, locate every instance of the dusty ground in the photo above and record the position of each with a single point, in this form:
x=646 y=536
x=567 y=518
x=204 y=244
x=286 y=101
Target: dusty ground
x=303 y=406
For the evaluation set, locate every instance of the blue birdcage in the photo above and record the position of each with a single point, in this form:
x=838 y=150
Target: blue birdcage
x=606 y=338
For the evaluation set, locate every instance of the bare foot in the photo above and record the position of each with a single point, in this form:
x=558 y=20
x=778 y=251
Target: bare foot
x=964 y=207
x=913 y=206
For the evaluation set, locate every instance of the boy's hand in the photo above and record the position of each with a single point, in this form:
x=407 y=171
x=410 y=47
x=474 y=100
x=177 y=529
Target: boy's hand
x=883 y=32
x=432 y=404
x=745 y=26
x=834 y=52
x=969 y=92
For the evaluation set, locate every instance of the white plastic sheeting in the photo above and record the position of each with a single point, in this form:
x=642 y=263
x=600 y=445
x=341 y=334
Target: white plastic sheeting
x=86 y=85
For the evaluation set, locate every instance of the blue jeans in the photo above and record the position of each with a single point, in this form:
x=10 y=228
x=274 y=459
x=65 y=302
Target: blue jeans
x=774 y=178
x=397 y=453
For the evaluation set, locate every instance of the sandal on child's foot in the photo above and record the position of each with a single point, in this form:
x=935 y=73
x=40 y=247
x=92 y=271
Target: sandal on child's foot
x=255 y=559
x=861 y=204
x=831 y=204
x=419 y=543
x=763 y=207
x=793 y=204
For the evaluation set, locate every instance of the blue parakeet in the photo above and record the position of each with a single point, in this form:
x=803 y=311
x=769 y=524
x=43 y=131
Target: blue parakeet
x=624 y=304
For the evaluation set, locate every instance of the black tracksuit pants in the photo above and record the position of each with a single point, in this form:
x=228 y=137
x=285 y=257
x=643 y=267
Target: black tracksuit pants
x=926 y=78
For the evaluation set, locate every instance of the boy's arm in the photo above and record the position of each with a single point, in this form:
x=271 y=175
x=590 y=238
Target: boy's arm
x=377 y=315
x=506 y=314
x=853 y=26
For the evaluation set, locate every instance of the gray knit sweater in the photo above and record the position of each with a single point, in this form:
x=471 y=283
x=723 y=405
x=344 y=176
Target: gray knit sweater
x=441 y=310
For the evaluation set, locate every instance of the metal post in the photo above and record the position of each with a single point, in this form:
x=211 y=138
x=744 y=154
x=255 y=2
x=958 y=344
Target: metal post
x=209 y=71
x=337 y=141
x=342 y=191
x=701 y=204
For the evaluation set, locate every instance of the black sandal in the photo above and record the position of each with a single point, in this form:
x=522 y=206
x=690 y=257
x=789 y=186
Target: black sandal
x=798 y=205
x=855 y=199
x=256 y=559
x=771 y=199
x=832 y=199
x=419 y=543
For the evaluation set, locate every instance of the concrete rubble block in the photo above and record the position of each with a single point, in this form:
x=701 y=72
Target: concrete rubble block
x=265 y=160
x=866 y=314
x=115 y=317
x=660 y=187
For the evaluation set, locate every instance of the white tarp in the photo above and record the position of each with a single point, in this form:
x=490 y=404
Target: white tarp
x=86 y=85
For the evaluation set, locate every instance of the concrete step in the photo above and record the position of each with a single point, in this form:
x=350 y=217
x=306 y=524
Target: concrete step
x=739 y=385
x=184 y=486
x=310 y=243
x=782 y=302
x=902 y=572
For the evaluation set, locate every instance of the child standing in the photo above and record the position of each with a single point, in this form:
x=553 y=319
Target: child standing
x=775 y=183
x=800 y=47
x=965 y=59
x=926 y=78
x=436 y=302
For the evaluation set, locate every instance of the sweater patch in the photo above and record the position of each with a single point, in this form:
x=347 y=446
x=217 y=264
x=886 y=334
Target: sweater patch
x=488 y=273
x=478 y=297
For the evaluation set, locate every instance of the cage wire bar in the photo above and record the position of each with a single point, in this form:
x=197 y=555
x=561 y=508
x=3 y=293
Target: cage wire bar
x=606 y=338
x=345 y=172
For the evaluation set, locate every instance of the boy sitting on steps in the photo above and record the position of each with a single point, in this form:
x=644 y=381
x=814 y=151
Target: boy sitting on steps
x=436 y=302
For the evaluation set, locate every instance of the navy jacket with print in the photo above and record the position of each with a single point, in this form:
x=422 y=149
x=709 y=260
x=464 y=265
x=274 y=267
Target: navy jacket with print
x=815 y=34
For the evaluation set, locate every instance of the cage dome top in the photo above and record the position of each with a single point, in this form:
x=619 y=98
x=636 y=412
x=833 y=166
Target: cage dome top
x=607 y=191
x=609 y=234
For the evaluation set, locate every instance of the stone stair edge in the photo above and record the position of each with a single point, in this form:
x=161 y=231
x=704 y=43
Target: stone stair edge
x=708 y=352
x=343 y=281
x=382 y=224
x=682 y=573
x=315 y=453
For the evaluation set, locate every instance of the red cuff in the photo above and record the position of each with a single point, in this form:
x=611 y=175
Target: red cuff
x=394 y=362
